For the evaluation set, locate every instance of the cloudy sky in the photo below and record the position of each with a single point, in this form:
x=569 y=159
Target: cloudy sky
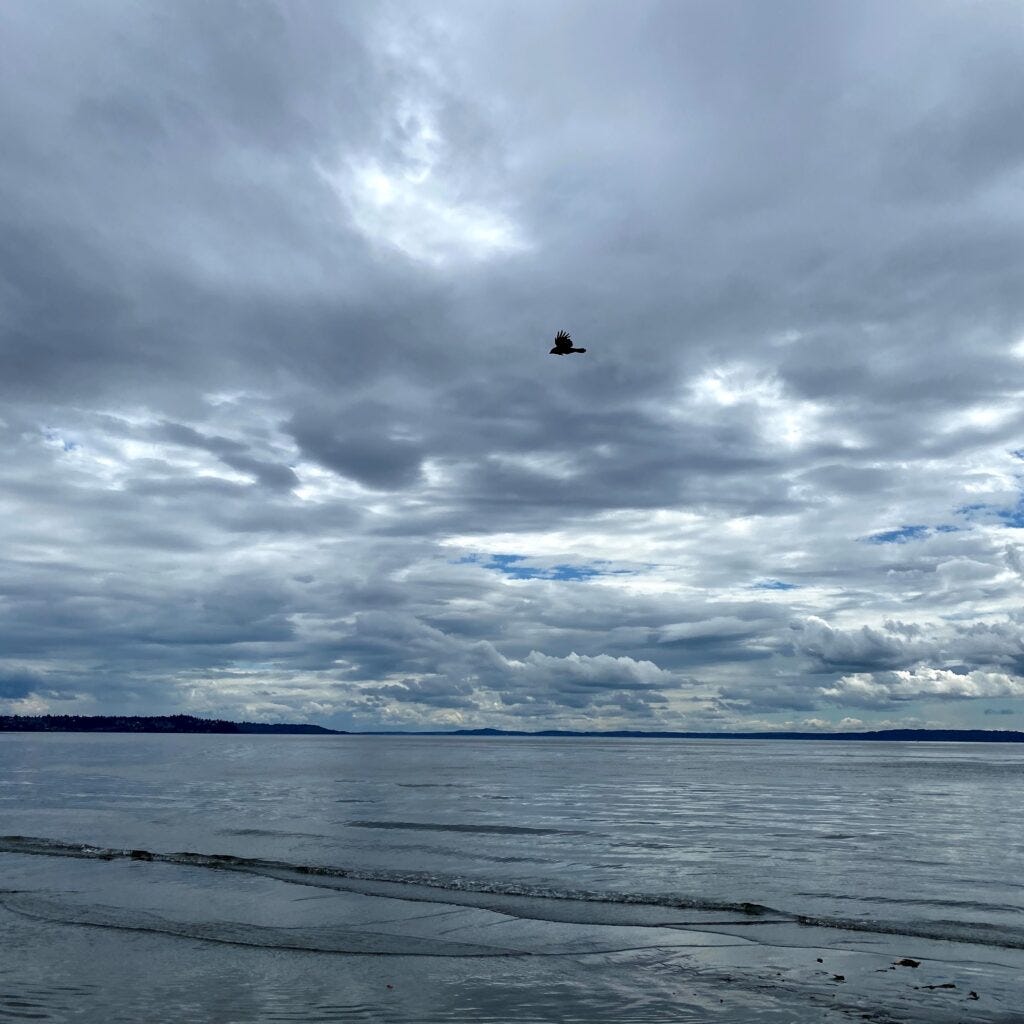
x=282 y=439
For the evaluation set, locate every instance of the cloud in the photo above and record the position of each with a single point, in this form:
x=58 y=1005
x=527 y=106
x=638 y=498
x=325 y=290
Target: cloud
x=580 y=681
x=367 y=454
x=830 y=648
x=15 y=684
x=232 y=453
x=435 y=692
x=883 y=689
x=282 y=438
x=403 y=210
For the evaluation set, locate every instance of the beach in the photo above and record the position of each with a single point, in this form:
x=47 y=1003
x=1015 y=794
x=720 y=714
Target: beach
x=403 y=879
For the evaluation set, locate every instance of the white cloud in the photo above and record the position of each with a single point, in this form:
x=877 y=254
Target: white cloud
x=416 y=201
x=875 y=689
x=422 y=218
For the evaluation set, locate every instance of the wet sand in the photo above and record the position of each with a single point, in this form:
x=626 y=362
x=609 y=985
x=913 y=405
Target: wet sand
x=134 y=939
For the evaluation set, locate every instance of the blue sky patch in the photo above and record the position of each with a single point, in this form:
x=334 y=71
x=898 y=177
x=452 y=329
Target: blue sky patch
x=775 y=585
x=510 y=565
x=506 y=563
x=1013 y=516
x=900 y=536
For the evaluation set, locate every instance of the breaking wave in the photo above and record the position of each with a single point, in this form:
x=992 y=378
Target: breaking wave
x=531 y=902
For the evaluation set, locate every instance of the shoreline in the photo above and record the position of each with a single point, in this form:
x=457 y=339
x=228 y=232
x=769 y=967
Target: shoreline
x=441 y=959
x=191 y=724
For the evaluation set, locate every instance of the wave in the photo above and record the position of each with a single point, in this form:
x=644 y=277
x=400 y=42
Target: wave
x=906 y=901
x=432 y=785
x=271 y=832
x=334 y=939
x=439 y=826
x=530 y=902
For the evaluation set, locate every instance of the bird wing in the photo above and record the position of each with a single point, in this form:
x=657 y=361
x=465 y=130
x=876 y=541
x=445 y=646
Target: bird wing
x=562 y=340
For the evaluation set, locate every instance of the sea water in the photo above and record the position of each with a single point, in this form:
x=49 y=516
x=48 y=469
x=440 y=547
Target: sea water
x=419 y=879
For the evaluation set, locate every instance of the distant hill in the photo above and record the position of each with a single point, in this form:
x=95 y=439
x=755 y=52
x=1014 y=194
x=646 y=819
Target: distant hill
x=191 y=724
x=898 y=735
x=150 y=723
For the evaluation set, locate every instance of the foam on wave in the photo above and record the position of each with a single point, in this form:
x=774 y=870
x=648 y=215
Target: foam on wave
x=519 y=899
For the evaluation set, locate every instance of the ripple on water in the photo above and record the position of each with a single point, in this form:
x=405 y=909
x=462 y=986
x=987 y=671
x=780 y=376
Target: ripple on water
x=41 y=1002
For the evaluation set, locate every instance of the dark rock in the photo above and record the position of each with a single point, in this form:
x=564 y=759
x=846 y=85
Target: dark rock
x=907 y=962
x=140 y=855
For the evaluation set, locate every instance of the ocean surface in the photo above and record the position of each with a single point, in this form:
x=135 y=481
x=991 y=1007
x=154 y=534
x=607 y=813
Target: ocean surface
x=429 y=879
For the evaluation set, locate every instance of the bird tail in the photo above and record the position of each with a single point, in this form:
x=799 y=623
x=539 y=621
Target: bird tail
x=577 y=350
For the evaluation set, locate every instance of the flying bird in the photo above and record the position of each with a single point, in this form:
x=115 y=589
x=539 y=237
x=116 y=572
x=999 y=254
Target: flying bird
x=563 y=345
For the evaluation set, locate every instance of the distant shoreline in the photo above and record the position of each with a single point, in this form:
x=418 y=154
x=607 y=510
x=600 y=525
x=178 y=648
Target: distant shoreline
x=153 y=724
x=216 y=726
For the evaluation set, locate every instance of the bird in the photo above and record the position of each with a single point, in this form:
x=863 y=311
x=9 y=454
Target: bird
x=563 y=345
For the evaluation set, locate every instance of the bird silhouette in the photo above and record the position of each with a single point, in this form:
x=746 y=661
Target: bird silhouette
x=563 y=345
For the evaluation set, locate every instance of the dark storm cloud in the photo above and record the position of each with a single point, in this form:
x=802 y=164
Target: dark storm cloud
x=14 y=685
x=862 y=649
x=232 y=454
x=277 y=283
x=379 y=462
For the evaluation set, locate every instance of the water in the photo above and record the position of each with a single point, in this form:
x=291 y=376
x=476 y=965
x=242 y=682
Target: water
x=432 y=879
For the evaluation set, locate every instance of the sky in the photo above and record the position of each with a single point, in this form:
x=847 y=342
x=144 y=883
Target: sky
x=282 y=439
